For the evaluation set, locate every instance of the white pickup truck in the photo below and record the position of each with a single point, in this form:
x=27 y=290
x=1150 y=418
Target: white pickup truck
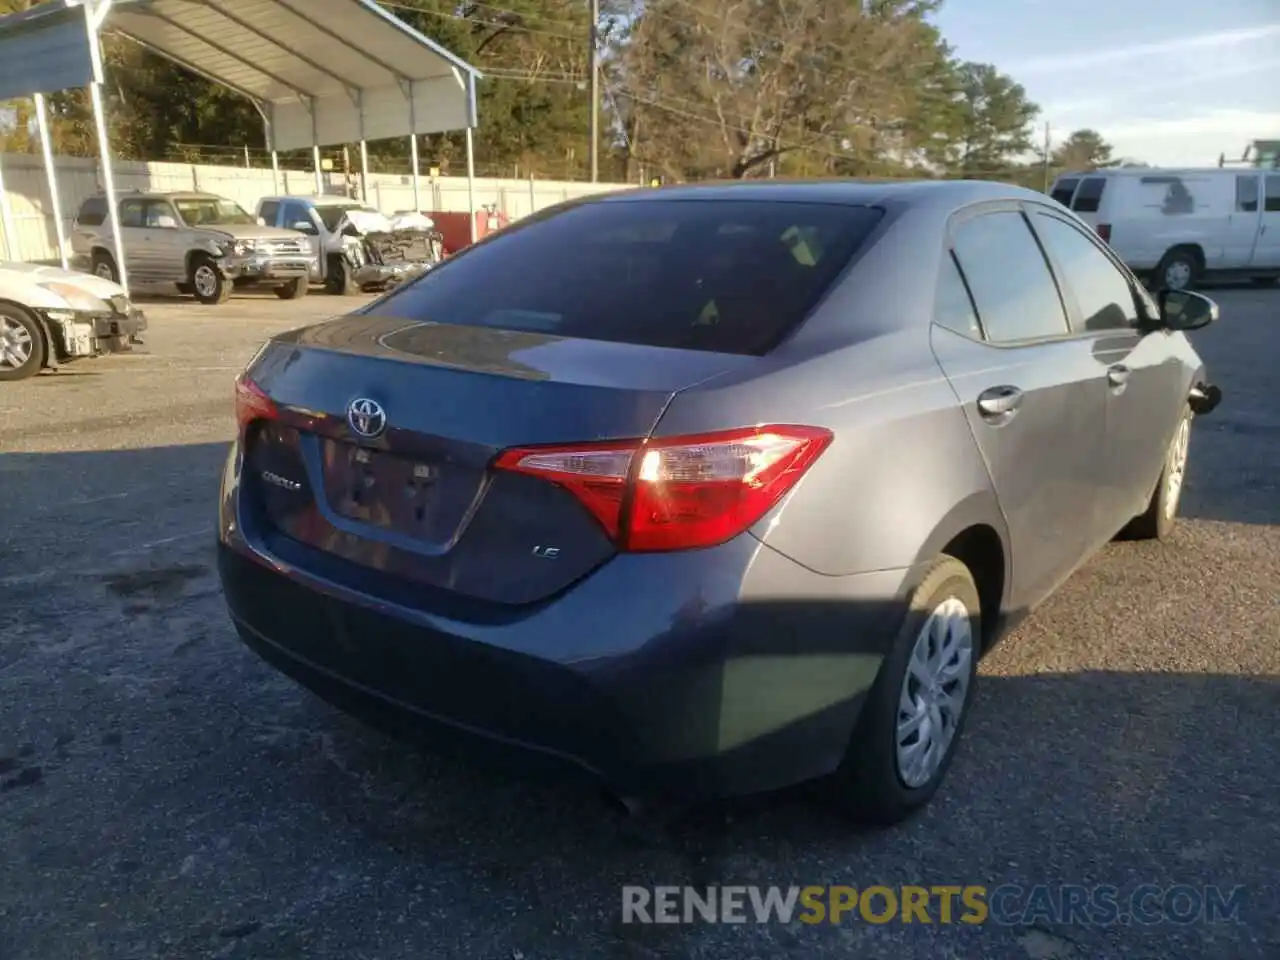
x=356 y=247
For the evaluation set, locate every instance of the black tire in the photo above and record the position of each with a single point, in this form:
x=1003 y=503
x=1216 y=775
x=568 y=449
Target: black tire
x=20 y=333
x=208 y=285
x=1264 y=281
x=1182 y=262
x=1161 y=515
x=293 y=289
x=870 y=785
x=337 y=279
x=103 y=265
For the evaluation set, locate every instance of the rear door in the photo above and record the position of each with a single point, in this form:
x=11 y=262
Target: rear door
x=1267 y=252
x=1144 y=379
x=139 y=257
x=1242 y=234
x=1034 y=394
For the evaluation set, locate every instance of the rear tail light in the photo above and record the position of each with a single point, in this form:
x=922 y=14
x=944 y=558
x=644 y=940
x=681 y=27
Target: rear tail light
x=678 y=493
x=252 y=403
x=1104 y=231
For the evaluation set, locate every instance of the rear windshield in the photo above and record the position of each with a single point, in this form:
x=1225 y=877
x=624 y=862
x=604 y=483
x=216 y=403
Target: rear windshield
x=1089 y=196
x=729 y=276
x=93 y=213
x=1062 y=191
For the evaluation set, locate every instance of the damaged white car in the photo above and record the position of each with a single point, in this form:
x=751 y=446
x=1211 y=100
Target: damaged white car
x=357 y=248
x=50 y=316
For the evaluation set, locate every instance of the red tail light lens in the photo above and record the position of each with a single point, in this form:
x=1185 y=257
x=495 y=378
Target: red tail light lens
x=678 y=493
x=1104 y=231
x=252 y=403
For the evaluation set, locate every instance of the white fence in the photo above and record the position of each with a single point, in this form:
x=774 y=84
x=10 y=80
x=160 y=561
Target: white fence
x=78 y=178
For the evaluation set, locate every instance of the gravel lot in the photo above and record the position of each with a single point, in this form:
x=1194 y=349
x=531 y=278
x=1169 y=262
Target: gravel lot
x=164 y=794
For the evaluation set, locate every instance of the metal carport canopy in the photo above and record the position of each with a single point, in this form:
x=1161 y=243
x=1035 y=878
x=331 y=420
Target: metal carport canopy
x=321 y=72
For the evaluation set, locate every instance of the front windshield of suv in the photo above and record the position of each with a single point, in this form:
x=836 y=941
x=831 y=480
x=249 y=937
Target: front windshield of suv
x=331 y=213
x=212 y=212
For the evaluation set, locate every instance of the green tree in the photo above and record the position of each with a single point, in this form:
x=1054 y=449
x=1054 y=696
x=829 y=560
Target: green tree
x=994 y=127
x=1083 y=150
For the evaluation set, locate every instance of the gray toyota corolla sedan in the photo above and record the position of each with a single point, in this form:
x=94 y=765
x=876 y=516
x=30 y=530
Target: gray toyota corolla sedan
x=711 y=489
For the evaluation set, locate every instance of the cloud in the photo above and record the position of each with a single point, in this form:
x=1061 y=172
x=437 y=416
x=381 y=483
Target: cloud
x=1128 y=91
x=1221 y=40
x=1243 y=125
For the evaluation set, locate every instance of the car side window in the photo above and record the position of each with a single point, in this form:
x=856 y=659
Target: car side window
x=1012 y=287
x=1063 y=190
x=1101 y=291
x=131 y=213
x=269 y=211
x=953 y=308
x=295 y=212
x=1272 y=202
x=1246 y=194
x=93 y=213
x=1089 y=197
x=158 y=213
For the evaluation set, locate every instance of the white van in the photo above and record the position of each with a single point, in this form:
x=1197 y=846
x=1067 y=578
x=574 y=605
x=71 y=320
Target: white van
x=1175 y=227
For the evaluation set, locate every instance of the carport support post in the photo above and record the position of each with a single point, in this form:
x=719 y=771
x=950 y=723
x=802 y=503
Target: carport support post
x=109 y=182
x=413 y=159
x=364 y=172
x=6 y=216
x=275 y=172
x=315 y=164
x=471 y=181
x=50 y=171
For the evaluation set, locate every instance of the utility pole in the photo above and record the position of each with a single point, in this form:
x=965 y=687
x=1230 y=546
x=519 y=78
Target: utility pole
x=1046 y=156
x=595 y=89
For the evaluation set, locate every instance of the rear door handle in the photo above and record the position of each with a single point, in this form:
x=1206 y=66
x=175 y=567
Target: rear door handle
x=999 y=402
x=1117 y=375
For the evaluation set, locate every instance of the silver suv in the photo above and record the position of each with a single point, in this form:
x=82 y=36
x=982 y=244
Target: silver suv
x=200 y=243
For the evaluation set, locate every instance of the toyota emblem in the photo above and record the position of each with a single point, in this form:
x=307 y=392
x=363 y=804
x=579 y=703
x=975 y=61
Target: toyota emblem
x=366 y=417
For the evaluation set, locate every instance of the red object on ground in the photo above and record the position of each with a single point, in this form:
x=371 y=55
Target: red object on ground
x=456 y=227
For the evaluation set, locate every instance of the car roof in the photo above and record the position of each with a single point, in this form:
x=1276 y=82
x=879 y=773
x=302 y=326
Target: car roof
x=924 y=193
x=1152 y=172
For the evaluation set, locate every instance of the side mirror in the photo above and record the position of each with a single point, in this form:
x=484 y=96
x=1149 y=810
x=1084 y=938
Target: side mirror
x=262 y=222
x=1185 y=310
x=304 y=226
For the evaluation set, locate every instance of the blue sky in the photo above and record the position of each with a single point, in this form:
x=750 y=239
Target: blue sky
x=1170 y=82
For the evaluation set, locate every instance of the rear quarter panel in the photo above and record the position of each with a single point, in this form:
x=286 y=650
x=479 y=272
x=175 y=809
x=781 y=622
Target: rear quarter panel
x=902 y=475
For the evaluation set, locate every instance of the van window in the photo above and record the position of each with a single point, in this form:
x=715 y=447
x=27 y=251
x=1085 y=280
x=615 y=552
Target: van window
x=1272 y=204
x=1063 y=190
x=1012 y=287
x=1247 y=194
x=725 y=276
x=1089 y=196
x=93 y=212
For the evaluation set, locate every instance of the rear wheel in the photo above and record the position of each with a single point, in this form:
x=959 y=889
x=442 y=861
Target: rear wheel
x=104 y=266
x=207 y=282
x=1158 y=520
x=293 y=289
x=1179 y=269
x=22 y=347
x=915 y=711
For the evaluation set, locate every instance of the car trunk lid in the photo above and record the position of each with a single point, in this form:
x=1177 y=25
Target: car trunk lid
x=385 y=431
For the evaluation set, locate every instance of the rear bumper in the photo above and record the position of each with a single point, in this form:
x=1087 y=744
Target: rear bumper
x=657 y=675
